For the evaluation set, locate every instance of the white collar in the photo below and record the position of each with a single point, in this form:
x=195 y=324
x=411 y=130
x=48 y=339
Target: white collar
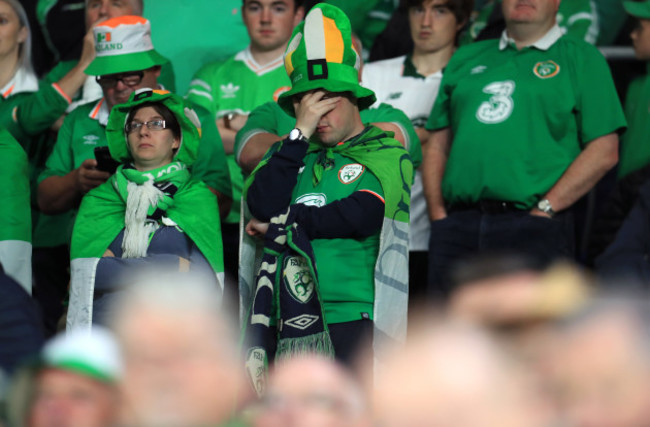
x=544 y=43
x=22 y=81
x=100 y=112
x=247 y=57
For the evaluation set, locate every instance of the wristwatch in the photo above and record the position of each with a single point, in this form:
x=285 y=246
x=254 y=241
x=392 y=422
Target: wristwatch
x=545 y=206
x=296 y=135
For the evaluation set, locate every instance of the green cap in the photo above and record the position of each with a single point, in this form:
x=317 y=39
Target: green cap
x=123 y=44
x=187 y=119
x=638 y=9
x=320 y=55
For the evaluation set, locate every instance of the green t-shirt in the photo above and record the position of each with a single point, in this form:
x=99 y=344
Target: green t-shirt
x=270 y=117
x=520 y=117
x=237 y=85
x=27 y=110
x=15 y=193
x=635 y=149
x=349 y=291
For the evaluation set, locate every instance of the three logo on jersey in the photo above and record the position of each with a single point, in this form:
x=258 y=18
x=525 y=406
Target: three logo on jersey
x=501 y=103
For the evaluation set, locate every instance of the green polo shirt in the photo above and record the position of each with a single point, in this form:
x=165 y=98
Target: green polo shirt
x=237 y=85
x=520 y=117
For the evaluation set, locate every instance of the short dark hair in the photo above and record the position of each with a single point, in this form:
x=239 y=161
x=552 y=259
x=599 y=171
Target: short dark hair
x=171 y=122
x=462 y=9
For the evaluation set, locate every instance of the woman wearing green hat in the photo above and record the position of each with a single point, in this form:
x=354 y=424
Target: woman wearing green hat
x=150 y=214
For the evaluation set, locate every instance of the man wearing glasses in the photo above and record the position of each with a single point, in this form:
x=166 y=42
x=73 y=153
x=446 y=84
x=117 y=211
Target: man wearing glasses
x=126 y=61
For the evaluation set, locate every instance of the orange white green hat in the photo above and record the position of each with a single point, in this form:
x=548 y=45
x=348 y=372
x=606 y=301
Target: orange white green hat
x=320 y=55
x=123 y=44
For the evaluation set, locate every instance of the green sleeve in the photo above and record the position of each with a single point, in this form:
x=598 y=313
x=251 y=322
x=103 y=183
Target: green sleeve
x=599 y=111
x=210 y=166
x=16 y=216
x=268 y=117
x=388 y=113
x=201 y=91
x=61 y=160
x=59 y=70
x=440 y=113
x=36 y=112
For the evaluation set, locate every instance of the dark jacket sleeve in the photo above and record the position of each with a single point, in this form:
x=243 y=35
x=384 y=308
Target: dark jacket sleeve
x=270 y=191
x=359 y=215
x=617 y=207
x=628 y=257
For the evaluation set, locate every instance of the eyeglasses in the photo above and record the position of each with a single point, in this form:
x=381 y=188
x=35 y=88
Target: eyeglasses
x=157 y=124
x=129 y=79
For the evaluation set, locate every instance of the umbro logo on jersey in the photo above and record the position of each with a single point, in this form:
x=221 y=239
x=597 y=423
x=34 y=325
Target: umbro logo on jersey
x=546 y=69
x=395 y=95
x=229 y=90
x=90 y=139
x=479 y=69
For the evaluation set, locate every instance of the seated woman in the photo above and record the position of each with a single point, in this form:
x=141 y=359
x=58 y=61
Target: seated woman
x=150 y=213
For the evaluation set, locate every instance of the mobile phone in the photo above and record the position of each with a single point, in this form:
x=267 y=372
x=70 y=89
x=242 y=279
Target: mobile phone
x=104 y=160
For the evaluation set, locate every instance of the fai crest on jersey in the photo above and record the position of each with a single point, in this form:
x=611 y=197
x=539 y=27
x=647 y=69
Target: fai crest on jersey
x=298 y=279
x=350 y=173
x=312 y=199
x=546 y=69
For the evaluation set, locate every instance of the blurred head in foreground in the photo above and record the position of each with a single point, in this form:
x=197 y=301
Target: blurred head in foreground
x=76 y=381
x=456 y=375
x=180 y=354
x=312 y=391
x=601 y=365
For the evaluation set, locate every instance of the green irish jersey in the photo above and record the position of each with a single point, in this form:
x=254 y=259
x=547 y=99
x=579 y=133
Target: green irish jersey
x=520 y=117
x=237 y=85
x=341 y=261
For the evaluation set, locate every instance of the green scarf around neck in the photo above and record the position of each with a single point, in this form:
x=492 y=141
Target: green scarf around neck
x=193 y=208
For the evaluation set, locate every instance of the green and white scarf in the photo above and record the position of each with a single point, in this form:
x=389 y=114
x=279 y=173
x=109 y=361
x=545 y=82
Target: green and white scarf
x=125 y=201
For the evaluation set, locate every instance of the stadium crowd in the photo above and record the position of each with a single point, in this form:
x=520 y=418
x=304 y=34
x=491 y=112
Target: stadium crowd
x=325 y=213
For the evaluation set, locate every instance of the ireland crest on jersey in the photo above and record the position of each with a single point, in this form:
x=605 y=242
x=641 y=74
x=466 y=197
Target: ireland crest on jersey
x=298 y=279
x=546 y=69
x=350 y=173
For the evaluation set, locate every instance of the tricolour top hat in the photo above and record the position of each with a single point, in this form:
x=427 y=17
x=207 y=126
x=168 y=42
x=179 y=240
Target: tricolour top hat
x=123 y=44
x=320 y=55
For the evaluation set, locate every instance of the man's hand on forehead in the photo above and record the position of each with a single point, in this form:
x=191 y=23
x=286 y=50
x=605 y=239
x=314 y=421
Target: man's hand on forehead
x=311 y=106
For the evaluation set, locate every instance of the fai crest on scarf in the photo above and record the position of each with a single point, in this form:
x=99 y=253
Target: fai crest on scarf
x=298 y=279
x=350 y=173
x=256 y=366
